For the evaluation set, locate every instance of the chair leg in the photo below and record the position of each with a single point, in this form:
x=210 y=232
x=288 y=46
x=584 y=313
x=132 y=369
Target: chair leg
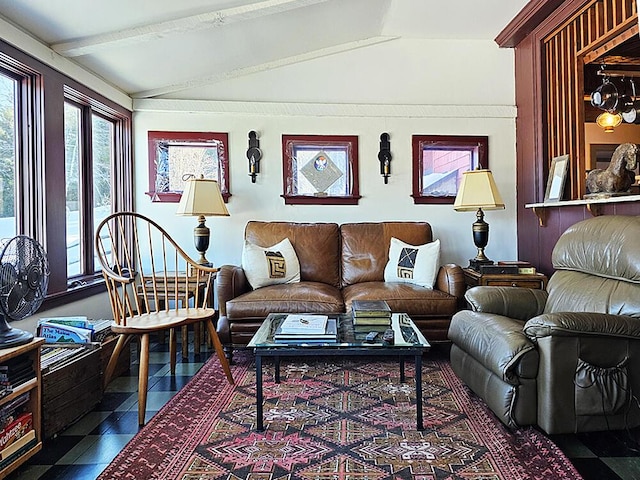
x=219 y=351
x=173 y=348
x=113 y=360
x=143 y=377
x=185 y=342
x=197 y=337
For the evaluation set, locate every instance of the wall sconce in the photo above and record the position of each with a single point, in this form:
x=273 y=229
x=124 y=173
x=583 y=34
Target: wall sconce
x=384 y=156
x=254 y=155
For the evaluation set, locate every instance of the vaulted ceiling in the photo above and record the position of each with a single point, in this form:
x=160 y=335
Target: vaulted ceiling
x=185 y=48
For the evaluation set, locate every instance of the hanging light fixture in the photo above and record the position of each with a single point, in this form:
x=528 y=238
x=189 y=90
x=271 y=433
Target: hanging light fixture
x=609 y=121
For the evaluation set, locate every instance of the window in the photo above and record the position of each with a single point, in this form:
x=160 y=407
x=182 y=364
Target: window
x=172 y=155
x=88 y=180
x=320 y=169
x=9 y=104
x=65 y=156
x=439 y=162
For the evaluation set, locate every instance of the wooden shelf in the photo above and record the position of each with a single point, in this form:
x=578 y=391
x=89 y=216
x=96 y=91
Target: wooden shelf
x=33 y=386
x=593 y=205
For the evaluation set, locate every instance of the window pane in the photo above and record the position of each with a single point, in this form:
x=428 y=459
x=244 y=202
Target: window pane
x=321 y=171
x=103 y=148
x=8 y=115
x=442 y=169
x=72 y=155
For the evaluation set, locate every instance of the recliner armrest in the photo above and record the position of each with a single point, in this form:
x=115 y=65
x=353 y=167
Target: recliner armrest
x=568 y=324
x=231 y=282
x=450 y=279
x=513 y=302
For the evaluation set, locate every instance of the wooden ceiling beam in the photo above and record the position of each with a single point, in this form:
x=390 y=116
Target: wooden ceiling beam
x=203 y=21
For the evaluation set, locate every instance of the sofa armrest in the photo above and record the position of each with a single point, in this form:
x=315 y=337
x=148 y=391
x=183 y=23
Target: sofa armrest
x=513 y=302
x=450 y=279
x=569 y=324
x=231 y=282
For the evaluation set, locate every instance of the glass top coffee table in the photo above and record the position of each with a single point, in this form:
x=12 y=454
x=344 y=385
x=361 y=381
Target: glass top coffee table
x=408 y=342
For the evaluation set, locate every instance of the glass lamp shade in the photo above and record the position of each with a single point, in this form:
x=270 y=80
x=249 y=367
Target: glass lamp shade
x=478 y=191
x=201 y=197
x=609 y=121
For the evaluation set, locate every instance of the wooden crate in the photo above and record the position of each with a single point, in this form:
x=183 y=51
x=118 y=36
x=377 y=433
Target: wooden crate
x=71 y=390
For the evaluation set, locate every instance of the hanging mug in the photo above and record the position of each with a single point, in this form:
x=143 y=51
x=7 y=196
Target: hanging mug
x=633 y=115
x=625 y=102
x=605 y=96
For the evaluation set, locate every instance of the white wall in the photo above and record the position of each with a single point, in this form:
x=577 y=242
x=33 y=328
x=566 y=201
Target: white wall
x=464 y=88
x=403 y=87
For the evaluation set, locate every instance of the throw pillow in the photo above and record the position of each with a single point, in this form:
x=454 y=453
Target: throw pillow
x=413 y=263
x=271 y=265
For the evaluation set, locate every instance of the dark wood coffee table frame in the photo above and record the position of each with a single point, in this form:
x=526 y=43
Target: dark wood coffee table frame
x=341 y=349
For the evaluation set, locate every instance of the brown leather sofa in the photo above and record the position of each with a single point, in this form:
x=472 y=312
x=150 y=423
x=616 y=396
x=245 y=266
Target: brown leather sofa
x=566 y=359
x=338 y=264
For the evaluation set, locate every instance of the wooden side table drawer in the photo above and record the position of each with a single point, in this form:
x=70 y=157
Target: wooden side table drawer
x=534 y=280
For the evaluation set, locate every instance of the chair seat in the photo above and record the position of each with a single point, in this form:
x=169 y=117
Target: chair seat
x=162 y=320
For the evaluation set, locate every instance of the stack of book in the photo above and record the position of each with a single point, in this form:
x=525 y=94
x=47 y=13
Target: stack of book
x=371 y=315
x=73 y=329
x=524 y=268
x=301 y=328
x=17 y=433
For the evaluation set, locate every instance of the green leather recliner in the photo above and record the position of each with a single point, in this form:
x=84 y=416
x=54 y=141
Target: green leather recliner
x=566 y=359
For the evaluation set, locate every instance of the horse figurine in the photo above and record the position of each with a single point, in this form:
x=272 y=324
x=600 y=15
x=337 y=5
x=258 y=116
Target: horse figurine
x=619 y=175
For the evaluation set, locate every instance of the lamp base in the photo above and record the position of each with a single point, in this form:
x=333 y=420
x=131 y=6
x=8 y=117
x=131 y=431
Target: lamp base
x=475 y=263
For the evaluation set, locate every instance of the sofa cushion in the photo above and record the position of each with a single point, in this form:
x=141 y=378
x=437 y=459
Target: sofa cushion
x=270 y=265
x=403 y=297
x=302 y=297
x=416 y=264
x=365 y=247
x=316 y=244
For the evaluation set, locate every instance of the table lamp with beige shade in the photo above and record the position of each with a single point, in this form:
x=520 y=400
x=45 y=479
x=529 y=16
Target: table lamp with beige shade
x=202 y=198
x=478 y=191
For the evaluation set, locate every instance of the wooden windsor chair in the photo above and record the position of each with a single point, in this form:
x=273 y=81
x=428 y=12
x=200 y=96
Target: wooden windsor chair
x=153 y=285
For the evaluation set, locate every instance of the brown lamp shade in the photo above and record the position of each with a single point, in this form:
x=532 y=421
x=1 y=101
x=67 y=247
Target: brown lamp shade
x=478 y=190
x=202 y=196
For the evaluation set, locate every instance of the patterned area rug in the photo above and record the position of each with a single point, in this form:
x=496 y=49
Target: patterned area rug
x=333 y=420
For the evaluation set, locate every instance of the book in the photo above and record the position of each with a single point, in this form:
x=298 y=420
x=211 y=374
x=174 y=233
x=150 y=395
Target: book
x=370 y=308
x=517 y=263
x=330 y=334
x=526 y=270
x=370 y=321
x=57 y=333
x=370 y=328
x=26 y=439
x=80 y=321
x=304 y=324
x=16 y=429
x=499 y=269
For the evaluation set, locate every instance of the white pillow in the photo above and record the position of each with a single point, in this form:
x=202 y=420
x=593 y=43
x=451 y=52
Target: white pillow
x=413 y=263
x=271 y=265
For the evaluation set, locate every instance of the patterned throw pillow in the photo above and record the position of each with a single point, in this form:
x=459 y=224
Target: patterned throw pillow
x=413 y=263
x=271 y=265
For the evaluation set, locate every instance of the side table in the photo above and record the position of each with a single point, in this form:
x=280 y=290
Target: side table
x=527 y=280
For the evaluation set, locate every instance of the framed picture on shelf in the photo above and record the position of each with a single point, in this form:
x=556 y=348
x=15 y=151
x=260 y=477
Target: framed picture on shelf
x=556 y=180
